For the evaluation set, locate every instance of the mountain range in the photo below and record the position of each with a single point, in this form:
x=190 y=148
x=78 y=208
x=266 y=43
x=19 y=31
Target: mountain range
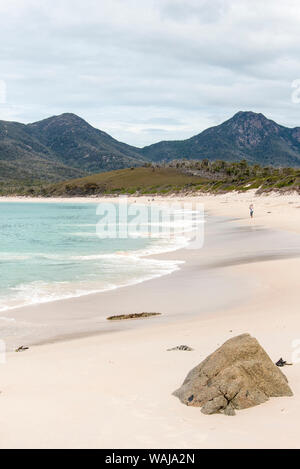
x=66 y=146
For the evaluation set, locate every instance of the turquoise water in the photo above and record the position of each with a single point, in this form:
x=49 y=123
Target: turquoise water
x=50 y=251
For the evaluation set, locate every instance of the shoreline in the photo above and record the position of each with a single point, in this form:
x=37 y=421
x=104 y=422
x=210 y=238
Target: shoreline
x=112 y=387
x=153 y=252
x=39 y=326
x=271 y=210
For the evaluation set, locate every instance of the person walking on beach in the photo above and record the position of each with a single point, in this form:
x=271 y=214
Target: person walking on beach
x=251 y=208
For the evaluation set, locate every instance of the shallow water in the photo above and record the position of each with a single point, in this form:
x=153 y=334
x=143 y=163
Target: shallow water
x=51 y=251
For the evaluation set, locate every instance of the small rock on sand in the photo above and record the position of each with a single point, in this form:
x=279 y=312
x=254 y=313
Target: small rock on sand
x=181 y=348
x=123 y=317
x=22 y=349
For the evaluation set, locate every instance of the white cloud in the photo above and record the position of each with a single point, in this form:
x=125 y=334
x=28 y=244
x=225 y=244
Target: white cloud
x=2 y=92
x=185 y=64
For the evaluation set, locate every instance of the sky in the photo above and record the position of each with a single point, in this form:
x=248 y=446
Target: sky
x=150 y=70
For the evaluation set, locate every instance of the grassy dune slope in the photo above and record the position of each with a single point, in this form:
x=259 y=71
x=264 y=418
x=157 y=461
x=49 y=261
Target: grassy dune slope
x=177 y=177
x=144 y=180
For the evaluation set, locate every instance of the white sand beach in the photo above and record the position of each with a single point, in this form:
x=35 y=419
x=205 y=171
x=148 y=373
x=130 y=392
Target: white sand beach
x=87 y=383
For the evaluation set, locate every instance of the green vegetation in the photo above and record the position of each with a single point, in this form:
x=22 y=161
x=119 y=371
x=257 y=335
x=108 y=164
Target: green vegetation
x=177 y=177
x=21 y=187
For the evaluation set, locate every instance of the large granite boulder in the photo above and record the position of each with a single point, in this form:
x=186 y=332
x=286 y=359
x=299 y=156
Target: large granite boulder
x=238 y=375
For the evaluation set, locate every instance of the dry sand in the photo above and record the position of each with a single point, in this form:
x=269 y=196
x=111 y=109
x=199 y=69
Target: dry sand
x=114 y=390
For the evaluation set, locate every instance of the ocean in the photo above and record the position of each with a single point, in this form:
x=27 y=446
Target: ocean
x=51 y=251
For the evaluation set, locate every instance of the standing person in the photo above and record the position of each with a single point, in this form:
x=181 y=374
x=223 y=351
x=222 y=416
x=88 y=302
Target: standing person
x=251 y=208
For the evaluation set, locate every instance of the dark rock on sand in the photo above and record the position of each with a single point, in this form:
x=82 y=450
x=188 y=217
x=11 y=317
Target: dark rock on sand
x=22 y=349
x=237 y=376
x=281 y=363
x=123 y=317
x=180 y=348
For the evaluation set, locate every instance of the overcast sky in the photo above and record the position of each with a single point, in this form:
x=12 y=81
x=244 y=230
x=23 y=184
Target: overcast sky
x=149 y=70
